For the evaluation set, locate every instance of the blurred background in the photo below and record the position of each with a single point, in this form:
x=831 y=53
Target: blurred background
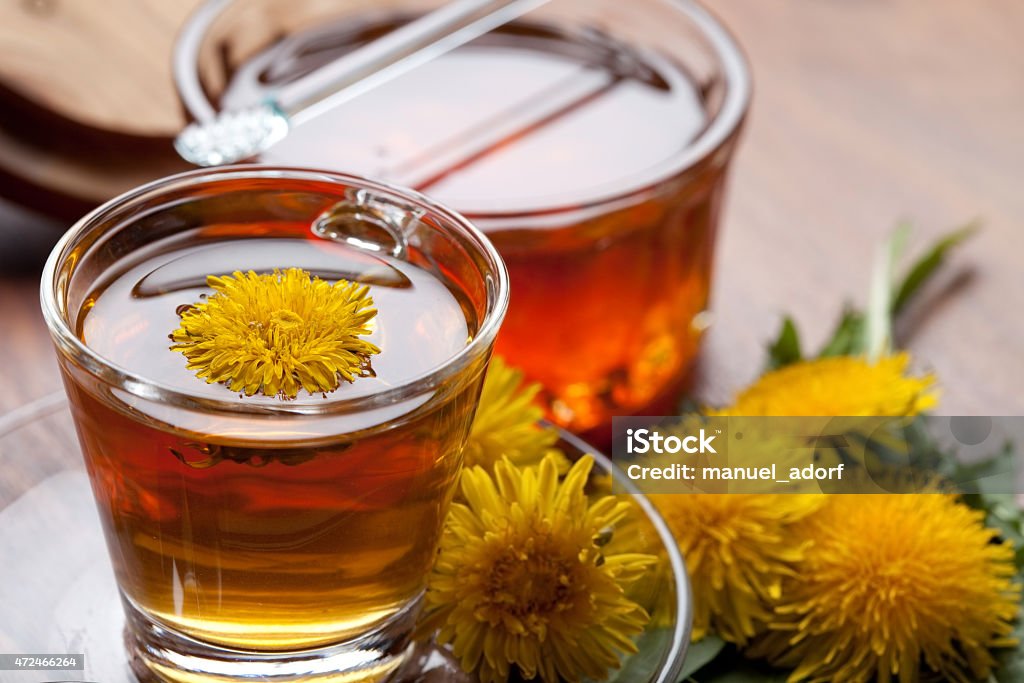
x=865 y=114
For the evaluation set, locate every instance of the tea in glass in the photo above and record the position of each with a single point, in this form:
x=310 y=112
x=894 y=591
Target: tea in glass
x=261 y=534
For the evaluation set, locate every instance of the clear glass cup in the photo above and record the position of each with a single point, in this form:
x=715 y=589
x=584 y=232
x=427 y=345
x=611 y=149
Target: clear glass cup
x=590 y=140
x=256 y=537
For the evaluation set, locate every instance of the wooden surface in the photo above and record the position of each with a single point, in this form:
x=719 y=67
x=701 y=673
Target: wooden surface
x=865 y=113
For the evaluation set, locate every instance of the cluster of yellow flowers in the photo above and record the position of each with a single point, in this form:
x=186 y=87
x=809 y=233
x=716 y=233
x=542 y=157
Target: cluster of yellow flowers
x=849 y=588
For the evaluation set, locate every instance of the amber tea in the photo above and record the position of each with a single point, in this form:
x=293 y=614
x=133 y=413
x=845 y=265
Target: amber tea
x=249 y=529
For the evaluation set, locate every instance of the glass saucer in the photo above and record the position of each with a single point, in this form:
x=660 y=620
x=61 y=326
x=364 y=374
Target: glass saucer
x=57 y=590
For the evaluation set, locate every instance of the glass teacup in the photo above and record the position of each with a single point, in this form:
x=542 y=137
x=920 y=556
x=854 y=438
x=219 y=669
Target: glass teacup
x=283 y=538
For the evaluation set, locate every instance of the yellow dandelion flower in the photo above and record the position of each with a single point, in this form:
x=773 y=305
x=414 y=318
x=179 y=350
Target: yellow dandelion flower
x=506 y=422
x=274 y=333
x=838 y=386
x=891 y=584
x=738 y=550
x=521 y=579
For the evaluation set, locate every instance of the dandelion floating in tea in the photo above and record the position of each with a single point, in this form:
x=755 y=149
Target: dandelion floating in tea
x=276 y=333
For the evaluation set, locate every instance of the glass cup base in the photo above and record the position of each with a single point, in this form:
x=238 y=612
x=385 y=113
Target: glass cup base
x=159 y=654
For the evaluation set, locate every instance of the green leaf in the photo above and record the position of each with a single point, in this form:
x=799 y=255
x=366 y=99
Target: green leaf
x=989 y=475
x=651 y=647
x=877 y=331
x=699 y=654
x=847 y=336
x=785 y=350
x=928 y=264
x=870 y=333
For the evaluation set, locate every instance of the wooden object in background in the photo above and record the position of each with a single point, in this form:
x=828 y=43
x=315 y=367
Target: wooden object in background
x=87 y=104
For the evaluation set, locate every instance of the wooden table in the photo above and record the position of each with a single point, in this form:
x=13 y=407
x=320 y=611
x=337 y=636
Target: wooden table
x=865 y=113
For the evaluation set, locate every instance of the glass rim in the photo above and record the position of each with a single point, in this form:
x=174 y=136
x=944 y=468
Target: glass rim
x=148 y=389
x=736 y=102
